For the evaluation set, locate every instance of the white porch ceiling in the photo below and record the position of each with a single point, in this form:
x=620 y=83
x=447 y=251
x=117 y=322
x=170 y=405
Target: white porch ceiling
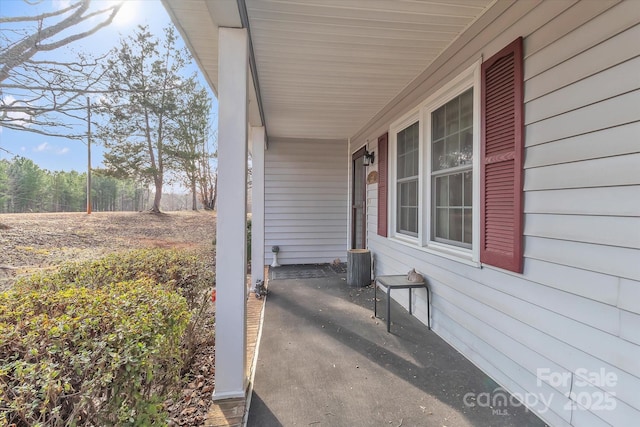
x=326 y=67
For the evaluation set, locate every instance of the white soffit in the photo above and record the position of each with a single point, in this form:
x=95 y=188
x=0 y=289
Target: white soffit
x=326 y=67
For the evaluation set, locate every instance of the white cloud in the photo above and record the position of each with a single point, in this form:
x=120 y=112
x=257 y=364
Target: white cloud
x=42 y=147
x=45 y=146
x=17 y=117
x=23 y=149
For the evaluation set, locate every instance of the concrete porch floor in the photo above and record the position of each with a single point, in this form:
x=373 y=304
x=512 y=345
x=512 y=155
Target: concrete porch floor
x=324 y=360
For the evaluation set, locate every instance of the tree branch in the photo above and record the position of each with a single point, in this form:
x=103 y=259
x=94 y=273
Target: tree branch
x=43 y=132
x=25 y=49
x=7 y=19
x=70 y=39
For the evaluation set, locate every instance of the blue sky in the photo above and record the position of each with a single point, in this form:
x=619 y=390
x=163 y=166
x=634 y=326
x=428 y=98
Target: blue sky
x=63 y=154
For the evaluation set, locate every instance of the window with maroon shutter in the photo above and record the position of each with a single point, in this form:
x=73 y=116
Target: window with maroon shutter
x=382 y=184
x=502 y=135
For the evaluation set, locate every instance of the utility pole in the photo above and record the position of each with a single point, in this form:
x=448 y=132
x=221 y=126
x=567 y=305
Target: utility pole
x=88 y=156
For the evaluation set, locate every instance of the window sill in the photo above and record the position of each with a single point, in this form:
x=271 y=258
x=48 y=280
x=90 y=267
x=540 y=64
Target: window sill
x=461 y=256
x=405 y=239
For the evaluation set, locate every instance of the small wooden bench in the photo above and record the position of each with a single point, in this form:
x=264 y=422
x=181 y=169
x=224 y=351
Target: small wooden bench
x=398 y=282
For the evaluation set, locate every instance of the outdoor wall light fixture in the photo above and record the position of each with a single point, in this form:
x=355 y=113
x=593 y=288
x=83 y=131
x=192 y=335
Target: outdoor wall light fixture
x=369 y=158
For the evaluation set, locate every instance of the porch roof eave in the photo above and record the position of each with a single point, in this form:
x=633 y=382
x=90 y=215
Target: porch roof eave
x=329 y=69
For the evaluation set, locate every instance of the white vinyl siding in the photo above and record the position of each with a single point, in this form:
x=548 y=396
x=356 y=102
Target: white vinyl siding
x=305 y=200
x=577 y=304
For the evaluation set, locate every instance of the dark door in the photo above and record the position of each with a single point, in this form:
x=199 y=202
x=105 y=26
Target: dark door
x=359 y=201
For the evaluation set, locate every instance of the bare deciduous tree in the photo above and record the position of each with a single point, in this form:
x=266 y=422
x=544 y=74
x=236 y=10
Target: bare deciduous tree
x=38 y=91
x=207 y=178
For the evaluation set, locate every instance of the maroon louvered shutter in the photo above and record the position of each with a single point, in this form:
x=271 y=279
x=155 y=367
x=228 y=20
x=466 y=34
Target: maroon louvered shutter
x=382 y=184
x=502 y=131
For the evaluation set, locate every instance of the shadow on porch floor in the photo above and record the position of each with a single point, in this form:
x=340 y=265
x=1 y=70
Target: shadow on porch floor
x=324 y=360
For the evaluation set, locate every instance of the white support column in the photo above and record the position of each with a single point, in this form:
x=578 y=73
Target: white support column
x=231 y=251
x=257 y=205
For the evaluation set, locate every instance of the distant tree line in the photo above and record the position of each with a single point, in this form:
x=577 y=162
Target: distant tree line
x=25 y=187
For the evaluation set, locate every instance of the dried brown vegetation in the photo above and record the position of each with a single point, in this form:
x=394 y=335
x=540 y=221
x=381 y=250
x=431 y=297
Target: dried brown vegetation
x=36 y=241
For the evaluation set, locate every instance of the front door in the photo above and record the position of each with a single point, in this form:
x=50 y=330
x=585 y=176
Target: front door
x=359 y=201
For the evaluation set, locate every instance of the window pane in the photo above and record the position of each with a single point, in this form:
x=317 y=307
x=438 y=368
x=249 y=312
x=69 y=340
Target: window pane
x=452 y=116
x=455 y=190
x=407 y=212
x=413 y=194
x=458 y=149
x=455 y=225
x=401 y=154
x=407 y=219
x=442 y=223
x=412 y=135
x=466 y=147
x=401 y=169
x=442 y=191
x=407 y=156
x=415 y=160
x=406 y=195
x=412 y=224
x=408 y=165
x=468 y=189
x=466 y=109
x=437 y=154
x=437 y=124
x=468 y=223
x=452 y=149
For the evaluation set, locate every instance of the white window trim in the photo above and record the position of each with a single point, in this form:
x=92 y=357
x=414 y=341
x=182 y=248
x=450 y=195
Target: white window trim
x=469 y=78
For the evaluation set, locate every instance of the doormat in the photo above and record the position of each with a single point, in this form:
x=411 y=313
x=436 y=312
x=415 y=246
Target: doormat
x=307 y=271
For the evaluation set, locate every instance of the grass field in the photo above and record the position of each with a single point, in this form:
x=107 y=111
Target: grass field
x=33 y=241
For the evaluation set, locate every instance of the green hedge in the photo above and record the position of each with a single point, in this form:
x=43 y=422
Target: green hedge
x=180 y=270
x=75 y=355
x=100 y=343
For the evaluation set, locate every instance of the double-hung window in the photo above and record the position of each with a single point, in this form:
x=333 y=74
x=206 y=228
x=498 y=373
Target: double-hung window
x=435 y=171
x=407 y=166
x=452 y=171
x=455 y=167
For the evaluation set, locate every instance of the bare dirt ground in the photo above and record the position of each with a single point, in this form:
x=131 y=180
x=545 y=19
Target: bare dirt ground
x=36 y=241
